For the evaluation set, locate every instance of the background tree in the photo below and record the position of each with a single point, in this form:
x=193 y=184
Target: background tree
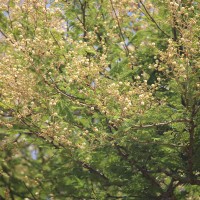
x=99 y=99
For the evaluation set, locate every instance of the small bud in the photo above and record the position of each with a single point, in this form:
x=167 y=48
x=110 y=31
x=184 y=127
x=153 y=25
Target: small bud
x=142 y=103
x=92 y=108
x=138 y=77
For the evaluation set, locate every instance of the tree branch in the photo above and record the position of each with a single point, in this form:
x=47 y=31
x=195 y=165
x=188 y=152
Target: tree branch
x=153 y=20
x=135 y=127
x=120 y=29
x=92 y=170
x=143 y=170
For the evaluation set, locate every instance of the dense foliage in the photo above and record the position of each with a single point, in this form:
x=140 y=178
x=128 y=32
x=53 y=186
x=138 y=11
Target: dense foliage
x=99 y=99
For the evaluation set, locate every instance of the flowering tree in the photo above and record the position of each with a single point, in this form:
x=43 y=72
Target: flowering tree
x=99 y=99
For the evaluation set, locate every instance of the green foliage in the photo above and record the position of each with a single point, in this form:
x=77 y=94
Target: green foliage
x=99 y=100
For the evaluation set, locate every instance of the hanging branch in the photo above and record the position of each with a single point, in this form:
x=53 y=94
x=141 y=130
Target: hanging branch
x=153 y=20
x=120 y=29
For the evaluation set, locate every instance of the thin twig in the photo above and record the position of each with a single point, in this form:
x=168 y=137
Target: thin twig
x=159 y=124
x=29 y=191
x=153 y=20
x=120 y=29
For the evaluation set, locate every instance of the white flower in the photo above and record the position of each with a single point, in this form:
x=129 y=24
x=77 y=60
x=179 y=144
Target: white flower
x=142 y=103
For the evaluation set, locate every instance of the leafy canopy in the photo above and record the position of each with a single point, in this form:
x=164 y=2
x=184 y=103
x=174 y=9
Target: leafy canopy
x=99 y=99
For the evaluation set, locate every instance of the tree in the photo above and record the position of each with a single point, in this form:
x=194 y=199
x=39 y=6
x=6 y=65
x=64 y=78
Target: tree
x=100 y=99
